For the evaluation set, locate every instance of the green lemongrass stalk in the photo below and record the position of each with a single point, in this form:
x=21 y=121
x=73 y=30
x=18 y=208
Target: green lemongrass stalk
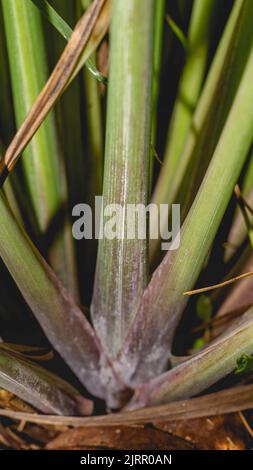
x=94 y=136
x=12 y=201
x=40 y=388
x=238 y=232
x=6 y=111
x=60 y=318
x=121 y=273
x=200 y=371
x=190 y=84
x=10 y=193
x=94 y=163
x=65 y=30
x=29 y=72
x=73 y=125
x=71 y=121
x=42 y=166
x=147 y=349
x=157 y=57
x=69 y=114
x=94 y=131
x=159 y=16
x=230 y=78
x=211 y=112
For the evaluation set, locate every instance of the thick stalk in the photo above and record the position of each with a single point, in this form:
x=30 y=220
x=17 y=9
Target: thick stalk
x=122 y=263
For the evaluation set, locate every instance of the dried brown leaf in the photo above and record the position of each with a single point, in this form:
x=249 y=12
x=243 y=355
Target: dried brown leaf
x=9 y=401
x=213 y=433
x=119 y=437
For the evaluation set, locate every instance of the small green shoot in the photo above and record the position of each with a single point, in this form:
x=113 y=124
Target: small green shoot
x=244 y=364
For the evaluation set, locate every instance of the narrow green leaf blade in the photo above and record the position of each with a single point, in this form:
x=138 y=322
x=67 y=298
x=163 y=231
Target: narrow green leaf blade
x=65 y=30
x=202 y=370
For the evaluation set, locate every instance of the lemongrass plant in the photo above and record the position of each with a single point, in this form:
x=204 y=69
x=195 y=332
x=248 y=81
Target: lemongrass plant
x=121 y=347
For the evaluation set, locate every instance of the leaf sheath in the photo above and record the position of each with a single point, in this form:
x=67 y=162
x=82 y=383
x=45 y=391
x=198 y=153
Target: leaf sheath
x=121 y=272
